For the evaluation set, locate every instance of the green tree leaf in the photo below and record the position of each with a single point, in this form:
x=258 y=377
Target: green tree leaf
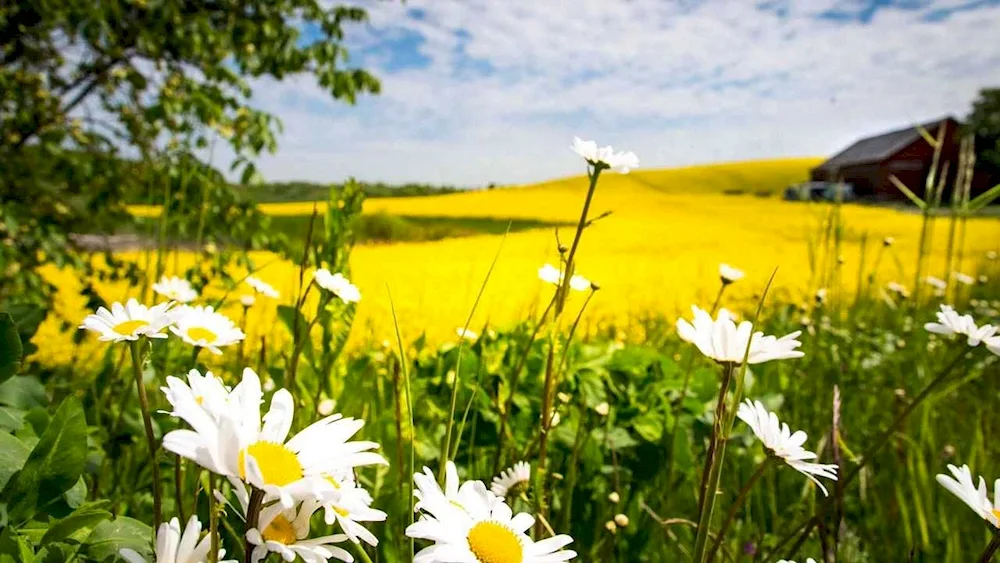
x=77 y=527
x=13 y=454
x=111 y=536
x=11 y=351
x=54 y=465
x=23 y=392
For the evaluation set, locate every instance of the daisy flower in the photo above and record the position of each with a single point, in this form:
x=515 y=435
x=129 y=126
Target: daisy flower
x=782 y=443
x=729 y=274
x=898 y=288
x=466 y=334
x=963 y=279
x=888 y=241
x=977 y=498
x=604 y=157
x=936 y=283
x=350 y=507
x=993 y=345
x=426 y=480
x=175 y=289
x=725 y=341
x=129 y=321
x=207 y=390
x=247 y=300
x=550 y=274
x=479 y=528
x=511 y=479
x=236 y=444
x=810 y=560
x=262 y=287
x=285 y=531
x=338 y=285
x=173 y=546
x=204 y=327
x=950 y=322
x=821 y=295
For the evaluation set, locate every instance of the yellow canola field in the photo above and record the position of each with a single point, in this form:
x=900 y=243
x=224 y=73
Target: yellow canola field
x=653 y=257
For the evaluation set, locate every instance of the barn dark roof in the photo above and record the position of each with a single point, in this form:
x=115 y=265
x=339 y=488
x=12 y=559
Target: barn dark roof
x=879 y=147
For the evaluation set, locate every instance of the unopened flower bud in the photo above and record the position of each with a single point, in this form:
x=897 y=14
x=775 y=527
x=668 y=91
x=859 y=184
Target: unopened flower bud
x=611 y=526
x=887 y=241
x=247 y=300
x=621 y=520
x=603 y=409
x=613 y=497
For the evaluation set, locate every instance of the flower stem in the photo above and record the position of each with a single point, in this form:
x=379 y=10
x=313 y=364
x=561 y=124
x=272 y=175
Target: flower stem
x=148 y=424
x=364 y=554
x=514 y=378
x=735 y=508
x=213 y=520
x=563 y=289
x=991 y=549
x=179 y=486
x=713 y=466
x=806 y=527
x=253 y=516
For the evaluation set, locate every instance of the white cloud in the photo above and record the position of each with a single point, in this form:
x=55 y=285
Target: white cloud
x=676 y=82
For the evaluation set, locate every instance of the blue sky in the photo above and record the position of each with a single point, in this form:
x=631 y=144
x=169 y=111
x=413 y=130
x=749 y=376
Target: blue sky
x=480 y=91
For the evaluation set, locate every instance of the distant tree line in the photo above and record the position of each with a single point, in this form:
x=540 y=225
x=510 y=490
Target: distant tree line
x=308 y=191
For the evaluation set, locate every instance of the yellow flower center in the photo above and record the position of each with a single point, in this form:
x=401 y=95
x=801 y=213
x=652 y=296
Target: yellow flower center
x=996 y=513
x=128 y=328
x=198 y=333
x=495 y=543
x=280 y=530
x=278 y=464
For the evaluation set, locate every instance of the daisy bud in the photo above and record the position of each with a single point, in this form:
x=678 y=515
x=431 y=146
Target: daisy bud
x=247 y=300
x=268 y=385
x=563 y=249
x=564 y=397
x=613 y=497
x=603 y=409
x=611 y=526
x=887 y=241
x=621 y=520
x=841 y=260
x=594 y=286
x=991 y=255
x=326 y=406
x=821 y=296
x=983 y=280
x=948 y=451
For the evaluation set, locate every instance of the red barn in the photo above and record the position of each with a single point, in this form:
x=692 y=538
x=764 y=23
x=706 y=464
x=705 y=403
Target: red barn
x=868 y=163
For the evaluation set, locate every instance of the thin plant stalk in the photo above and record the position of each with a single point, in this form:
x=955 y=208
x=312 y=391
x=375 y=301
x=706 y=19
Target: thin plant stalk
x=723 y=425
x=560 y=302
x=458 y=362
x=253 y=516
x=213 y=522
x=713 y=469
x=735 y=508
x=514 y=378
x=300 y=300
x=409 y=405
x=147 y=422
x=991 y=549
x=805 y=528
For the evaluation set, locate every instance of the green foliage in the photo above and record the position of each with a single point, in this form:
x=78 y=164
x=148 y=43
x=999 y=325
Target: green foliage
x=102 y=100
x=274 y=192
x=984 y=122
x=11 y=351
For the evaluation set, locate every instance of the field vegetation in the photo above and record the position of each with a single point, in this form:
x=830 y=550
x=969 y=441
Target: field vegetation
x=628 y=365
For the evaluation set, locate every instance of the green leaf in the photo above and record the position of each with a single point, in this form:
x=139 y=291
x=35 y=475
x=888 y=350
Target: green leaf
x=907 y=192
x=110 y=537
x=78 y=526
x=54 y=465
x=23 y=392
x=11 y=419
x=13 y=454
x=15 y=548
x=11 y=351
x=985 y=198
x=649 y=426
